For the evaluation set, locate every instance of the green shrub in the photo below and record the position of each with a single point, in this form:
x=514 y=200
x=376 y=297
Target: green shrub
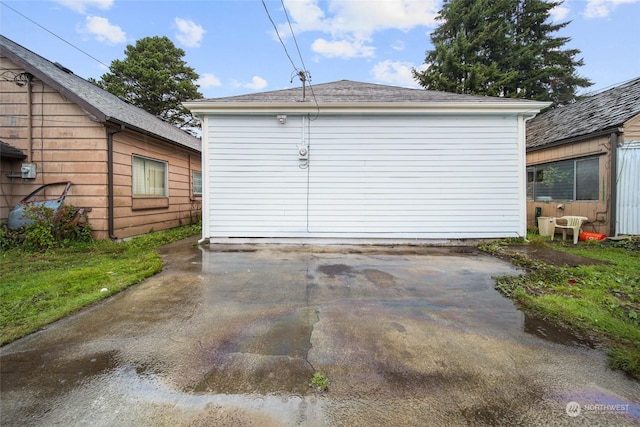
x=48 y=229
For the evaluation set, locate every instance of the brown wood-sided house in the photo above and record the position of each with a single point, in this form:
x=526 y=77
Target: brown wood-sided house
x=132 y=171
x=584 y=159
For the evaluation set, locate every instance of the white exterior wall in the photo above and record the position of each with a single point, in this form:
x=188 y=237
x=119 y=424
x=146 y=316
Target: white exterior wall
x=628 y=211
x=384 y=176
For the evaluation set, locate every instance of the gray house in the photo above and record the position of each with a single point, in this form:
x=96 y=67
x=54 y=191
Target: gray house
x=584 y=159
x=357 y=160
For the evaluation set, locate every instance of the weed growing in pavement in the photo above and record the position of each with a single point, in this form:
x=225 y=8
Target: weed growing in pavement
x=320 y=381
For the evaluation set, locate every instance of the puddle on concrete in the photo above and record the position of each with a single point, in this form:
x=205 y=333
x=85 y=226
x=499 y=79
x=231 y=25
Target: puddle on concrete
x=333 y=270
x=250 y=373
x=288 y=335
x=61 y=374
x=379 y=278
x=546 y=330
x=269 y=356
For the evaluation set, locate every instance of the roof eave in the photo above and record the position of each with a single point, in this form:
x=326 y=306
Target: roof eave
x=518 y=107
x=151 y=134
x=576 y=138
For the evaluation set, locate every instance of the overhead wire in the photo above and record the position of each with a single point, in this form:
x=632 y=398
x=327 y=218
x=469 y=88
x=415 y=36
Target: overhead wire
x=304 y=74
x=67 y=42
x=304 y=67
x=275 y=27
x=54 y=34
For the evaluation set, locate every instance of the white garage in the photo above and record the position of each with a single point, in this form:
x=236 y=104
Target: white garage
x=358 y=160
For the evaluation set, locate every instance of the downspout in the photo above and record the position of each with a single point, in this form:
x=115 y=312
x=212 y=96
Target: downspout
x=110 y=197
x=613 y=194
x=525 y=119
x=30 y=116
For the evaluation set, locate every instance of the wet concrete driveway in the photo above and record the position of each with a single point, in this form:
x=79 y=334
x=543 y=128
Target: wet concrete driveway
x=231 y=335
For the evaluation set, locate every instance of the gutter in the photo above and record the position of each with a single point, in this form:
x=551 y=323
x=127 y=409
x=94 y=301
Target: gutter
x=151 y=134
x=572 y=139
x=440 y=107
x=613 y=166
x=110 y=196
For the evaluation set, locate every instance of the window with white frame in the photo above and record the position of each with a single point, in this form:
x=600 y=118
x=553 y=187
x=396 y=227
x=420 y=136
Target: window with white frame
x=150 y=177
x=565 y=180
x=197 y=183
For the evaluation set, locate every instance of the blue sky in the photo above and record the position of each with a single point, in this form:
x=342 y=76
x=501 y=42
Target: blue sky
x=232 y=44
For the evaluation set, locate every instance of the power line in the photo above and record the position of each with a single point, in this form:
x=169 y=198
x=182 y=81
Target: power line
x=275 y=27
x=304 y=67
x=54 y=34
x=304 y=75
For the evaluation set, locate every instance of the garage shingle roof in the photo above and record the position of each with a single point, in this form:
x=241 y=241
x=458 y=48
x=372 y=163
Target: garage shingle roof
x=596 y=113
x=99 y=104
x=347 y=91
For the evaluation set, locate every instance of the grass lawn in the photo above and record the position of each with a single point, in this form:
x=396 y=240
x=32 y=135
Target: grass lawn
x=602 y=301
x=39 y=288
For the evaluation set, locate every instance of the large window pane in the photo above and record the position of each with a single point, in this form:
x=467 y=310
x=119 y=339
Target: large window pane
x=149 y=177
x=554 y=181
x=587 y=172
x=566 y=180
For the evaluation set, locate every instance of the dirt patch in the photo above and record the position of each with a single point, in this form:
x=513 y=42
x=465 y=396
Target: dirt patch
x=551 y=256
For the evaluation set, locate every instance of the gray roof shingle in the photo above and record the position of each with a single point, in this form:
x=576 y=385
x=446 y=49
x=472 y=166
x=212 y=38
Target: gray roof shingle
x=11 y=152
x=599 y=112
x=101 y=105
x=347 y=91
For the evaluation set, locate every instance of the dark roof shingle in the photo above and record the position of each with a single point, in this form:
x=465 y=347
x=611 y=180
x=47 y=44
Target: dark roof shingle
x=347 y=91
x=599 y=112
x=11 y=152
x=101 y=105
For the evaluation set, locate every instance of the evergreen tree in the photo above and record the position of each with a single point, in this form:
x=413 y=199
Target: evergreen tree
x=502 y=48
x=154 y=77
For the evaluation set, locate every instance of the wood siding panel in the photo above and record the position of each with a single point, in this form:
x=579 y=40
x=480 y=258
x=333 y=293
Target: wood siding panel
x=68 y=145
x=139 y=215
x=596 y=210
x=632 y=129
x=428 y=177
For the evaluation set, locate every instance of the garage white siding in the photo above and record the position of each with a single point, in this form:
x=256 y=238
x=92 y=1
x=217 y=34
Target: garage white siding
x=256 y=188
x=439 y=176
x=424 y=177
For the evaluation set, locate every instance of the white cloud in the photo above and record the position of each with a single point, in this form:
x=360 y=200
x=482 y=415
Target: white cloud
x=343 y=49
x=559 y=13
x=602 y=8
x=256 y=83
x=208 y=80
x=81 y=6
x=396 y=73
x=361 y=17
x=189 y=33
x=351 y=24
x=103 y=30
